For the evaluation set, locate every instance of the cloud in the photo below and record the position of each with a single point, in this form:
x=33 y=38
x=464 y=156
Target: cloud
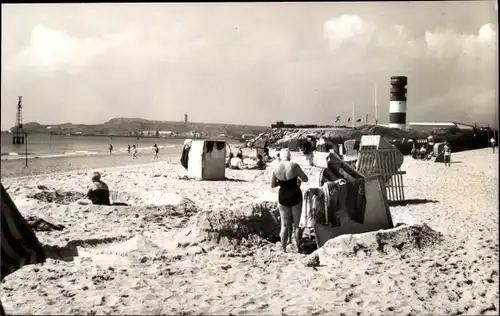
x=234 y=65
x=54 y=50
x=440 y=44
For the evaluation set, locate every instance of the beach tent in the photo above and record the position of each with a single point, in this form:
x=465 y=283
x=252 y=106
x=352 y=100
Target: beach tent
x=438 y=153
x=20 y=246
x=207 y=160
x=19 y=243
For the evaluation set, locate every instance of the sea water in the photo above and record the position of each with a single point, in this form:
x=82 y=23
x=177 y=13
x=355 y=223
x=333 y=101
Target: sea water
x=51 y=146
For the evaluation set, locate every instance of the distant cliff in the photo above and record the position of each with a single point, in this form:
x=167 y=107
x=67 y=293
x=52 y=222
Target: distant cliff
x=135 y=126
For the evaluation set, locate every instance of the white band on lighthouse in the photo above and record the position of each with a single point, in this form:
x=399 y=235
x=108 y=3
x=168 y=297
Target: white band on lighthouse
x=397 y=107
x=397 y=102
x=395 y=125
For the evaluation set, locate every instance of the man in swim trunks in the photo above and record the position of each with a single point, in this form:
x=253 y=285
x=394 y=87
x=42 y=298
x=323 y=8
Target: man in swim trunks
x=447 y=154
x=98 y=191
x=286 y=175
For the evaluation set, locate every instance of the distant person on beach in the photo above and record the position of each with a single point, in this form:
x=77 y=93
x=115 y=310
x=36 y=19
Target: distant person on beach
x=128 y=149
x=157 y=150
x=261 y=165
x=134 y=152
x=447 y=154
x=423 y=151
x=228 y=161
x=286 y=175
x=98 y=191
x=240 y=153
x=236 y=163
x=413 y=151
x=110 y=148
x=493 y=143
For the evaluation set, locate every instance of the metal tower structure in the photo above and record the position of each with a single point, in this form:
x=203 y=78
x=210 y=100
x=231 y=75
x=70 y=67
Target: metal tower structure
x=18 y=137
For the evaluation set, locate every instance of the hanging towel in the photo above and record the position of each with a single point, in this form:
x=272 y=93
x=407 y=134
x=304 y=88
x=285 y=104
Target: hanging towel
x=312 y=207
x=210 y=146
x=220 y=145
x=356 y=200
x=332 y=192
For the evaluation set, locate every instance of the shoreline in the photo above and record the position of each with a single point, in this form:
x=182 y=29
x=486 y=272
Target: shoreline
x=15 y=168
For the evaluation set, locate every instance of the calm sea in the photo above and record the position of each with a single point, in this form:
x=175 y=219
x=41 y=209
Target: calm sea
x=49 y=146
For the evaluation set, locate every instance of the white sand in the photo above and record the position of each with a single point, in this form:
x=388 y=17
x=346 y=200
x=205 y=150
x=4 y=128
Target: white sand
x=143 y=269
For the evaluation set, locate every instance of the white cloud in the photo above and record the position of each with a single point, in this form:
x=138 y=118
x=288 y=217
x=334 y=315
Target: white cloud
x=439 y=44
x=347 y=29
x=54 y=50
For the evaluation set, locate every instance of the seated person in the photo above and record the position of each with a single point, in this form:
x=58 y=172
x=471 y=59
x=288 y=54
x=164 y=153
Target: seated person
x=414 y=153
x=228 y=161
x=261 y=165
x=236 y=163
x=423 y=151
x=98 y=191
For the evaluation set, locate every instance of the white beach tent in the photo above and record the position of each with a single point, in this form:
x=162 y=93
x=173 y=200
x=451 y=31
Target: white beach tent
x=207 y=159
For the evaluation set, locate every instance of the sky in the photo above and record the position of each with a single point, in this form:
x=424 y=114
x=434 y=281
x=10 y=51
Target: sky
x=248 y=63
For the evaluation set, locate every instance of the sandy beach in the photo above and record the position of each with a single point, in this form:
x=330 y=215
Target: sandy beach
x=150 y=257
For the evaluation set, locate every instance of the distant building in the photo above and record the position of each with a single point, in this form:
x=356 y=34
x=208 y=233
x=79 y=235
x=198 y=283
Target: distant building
x=440 y=125
x=247 y=136
x=166 y=133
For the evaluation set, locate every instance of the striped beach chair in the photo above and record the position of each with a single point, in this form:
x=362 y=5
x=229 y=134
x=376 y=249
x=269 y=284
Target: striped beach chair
x=19 y=244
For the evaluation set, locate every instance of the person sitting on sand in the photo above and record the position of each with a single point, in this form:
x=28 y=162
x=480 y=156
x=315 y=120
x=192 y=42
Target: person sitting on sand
x=228 y=161
x=286 y=175
x=413 y=151
x=236 y=163
x=98 y=191
x=261 y=165
x=423 y=151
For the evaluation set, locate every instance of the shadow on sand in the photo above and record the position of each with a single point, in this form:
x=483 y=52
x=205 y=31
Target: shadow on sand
x=235 y=180
x=411 y=202
x=456 y=161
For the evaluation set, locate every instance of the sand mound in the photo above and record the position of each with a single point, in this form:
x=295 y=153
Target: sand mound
x=135 y=245
x=238 y=224
x=399 y=239
x=156 y=198
x=46 y=195
x=137 y=249
x=156 y=214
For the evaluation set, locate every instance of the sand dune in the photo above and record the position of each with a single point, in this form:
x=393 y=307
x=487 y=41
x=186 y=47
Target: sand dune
x=147 y=258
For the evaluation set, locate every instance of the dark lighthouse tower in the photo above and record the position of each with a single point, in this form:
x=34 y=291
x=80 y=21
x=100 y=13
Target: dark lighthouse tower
x=397 y=104
x=18 y=137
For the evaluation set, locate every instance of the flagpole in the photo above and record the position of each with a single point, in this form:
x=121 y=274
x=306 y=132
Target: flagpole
x=376 y=112
x=353 y=118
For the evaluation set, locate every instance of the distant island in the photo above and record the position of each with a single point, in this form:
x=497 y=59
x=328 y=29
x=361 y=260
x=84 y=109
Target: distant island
x=142 y=127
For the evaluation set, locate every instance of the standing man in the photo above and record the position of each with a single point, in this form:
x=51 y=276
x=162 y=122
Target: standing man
x=110 y=149
x=447 y=154
x=493 y=143
x=157 y=150
x=128 y=149
x=134 y=152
